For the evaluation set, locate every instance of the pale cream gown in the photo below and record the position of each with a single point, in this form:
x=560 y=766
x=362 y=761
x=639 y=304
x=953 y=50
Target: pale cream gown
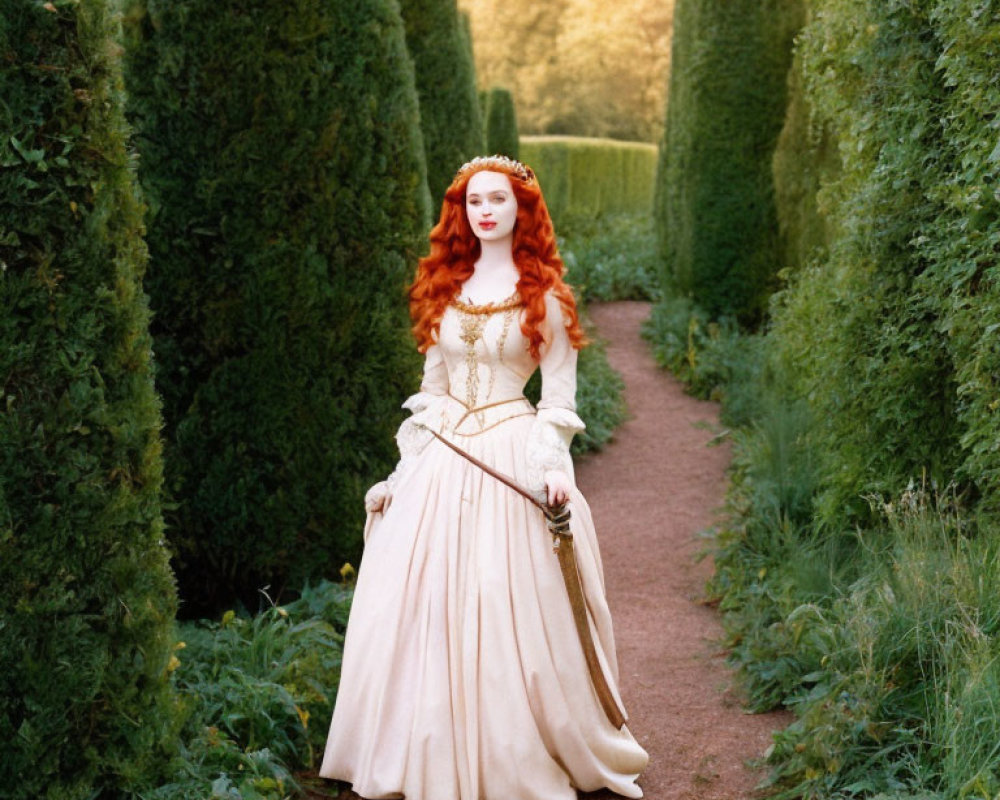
x=463 y=675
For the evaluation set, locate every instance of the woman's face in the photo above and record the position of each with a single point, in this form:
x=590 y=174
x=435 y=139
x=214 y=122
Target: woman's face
x=491 y=206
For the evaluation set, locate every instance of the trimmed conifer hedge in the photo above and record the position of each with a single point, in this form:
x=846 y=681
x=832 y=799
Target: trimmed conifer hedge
x=501 y=124
x=588 y=178
x=282 y=155
x=88 y=602
x=715 y=212
x=439 y=41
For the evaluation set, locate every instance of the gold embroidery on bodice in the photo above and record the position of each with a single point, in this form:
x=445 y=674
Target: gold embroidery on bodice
x=472 y=322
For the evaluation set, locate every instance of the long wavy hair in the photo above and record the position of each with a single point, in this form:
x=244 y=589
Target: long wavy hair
x=455 y=249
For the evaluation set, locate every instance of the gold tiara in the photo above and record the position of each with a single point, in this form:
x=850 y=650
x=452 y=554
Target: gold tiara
x=521 y=171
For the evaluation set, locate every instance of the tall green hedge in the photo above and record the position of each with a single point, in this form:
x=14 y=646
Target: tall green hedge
x=501 y=123
x=715 y=212
x=439 y=42
x=869 y=604
x=589 y=178
x=88 y=600
x=874 y=330
x=282 y=155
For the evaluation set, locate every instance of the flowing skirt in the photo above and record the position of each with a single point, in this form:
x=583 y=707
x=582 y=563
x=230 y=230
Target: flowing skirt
x=463 y=675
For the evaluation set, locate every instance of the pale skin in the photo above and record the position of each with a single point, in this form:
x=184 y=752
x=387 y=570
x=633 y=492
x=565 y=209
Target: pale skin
x=491 y=208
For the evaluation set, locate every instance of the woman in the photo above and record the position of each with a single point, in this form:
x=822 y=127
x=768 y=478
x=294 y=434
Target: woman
x=464 y=677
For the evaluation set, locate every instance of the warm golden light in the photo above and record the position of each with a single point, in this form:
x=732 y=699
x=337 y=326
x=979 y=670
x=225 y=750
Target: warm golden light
x=581 y=67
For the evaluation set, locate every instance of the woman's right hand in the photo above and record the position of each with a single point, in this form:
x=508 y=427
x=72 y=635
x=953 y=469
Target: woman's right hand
x=378 y=498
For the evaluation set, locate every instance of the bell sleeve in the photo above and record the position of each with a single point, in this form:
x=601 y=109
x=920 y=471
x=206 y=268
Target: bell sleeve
x=556 y=422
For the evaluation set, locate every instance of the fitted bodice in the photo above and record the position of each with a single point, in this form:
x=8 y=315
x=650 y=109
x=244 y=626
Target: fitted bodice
x=481 y=363
x=485 y=353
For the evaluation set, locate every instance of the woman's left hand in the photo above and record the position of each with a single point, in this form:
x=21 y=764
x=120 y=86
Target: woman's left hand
x=557 y=486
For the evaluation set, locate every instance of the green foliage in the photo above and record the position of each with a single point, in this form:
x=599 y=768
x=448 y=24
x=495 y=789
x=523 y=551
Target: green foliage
x=965 y=238
x=715 y=359
x=805 y=158
x=611 y=259
x=284 y=166
x=256 y=695
x=715 y=197
x=867 y=328
x=88 y=600
x=909 y=689
x=501 y=124
x=599 y=398
x=587 y=179
x=878 y=622
x=439 y=42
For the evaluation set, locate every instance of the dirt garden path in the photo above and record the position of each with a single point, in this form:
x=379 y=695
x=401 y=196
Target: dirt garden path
x=651 y=491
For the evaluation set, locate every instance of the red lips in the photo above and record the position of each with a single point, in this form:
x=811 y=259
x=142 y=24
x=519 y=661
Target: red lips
x=487 y=225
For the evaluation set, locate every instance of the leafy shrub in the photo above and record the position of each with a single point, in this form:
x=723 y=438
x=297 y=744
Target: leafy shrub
x=715 y=199
x=256 y=696
x=715 y=360
x=611 y=259
x=284 y=166
x=501 y=124
x=588 y=179
x=805 y=158
x=964 y=238
x=599 y=397
x=88 y=600
x=865 y=330
x=907 y=697
x=439 y=42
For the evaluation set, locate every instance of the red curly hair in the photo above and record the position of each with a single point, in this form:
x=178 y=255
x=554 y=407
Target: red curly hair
x=455 y=249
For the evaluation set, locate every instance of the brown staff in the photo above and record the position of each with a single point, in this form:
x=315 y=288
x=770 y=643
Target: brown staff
x=557 y=518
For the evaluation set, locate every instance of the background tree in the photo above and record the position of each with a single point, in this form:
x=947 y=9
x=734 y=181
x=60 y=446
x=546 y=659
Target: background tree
x=88 y=602
x=501 y=123
x=577 y=67
x=716 y=216
x=438 y=40
x=613 y=64
x=285 y=169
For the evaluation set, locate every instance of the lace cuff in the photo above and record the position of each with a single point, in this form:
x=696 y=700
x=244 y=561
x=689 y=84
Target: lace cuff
x=548 y=444
x=414 y=433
